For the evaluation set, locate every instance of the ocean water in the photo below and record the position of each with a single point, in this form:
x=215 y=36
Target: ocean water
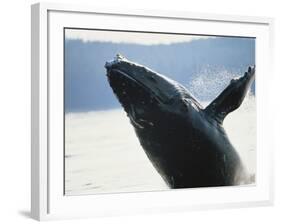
x=103 y=154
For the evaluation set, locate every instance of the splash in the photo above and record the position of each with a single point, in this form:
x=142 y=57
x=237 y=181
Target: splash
x=209 y=82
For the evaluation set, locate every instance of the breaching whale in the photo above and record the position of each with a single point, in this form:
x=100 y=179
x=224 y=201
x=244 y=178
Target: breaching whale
x=185 y=142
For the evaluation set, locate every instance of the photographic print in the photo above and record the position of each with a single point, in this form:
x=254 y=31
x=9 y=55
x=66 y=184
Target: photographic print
x=148 y=111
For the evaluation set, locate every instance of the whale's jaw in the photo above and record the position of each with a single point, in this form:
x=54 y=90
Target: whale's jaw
x=160 y=87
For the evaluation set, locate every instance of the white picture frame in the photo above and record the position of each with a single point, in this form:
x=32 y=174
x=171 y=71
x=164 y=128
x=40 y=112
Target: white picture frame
x=47 y=199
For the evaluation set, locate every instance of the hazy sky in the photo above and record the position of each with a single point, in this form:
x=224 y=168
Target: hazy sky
x=129 y=37
x=204 y=65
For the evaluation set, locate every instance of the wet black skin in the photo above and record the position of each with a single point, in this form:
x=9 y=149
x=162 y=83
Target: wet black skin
x=186 y=143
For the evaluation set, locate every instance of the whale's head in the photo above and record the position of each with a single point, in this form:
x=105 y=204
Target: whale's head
x=144 y=93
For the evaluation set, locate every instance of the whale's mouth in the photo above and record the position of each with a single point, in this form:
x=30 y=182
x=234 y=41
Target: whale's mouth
x=122 y=71
x=137 y=99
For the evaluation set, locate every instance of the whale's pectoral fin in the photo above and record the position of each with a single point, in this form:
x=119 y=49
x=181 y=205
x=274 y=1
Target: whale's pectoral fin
x=231 y=97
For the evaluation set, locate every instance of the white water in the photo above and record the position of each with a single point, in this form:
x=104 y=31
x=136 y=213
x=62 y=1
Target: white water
x=103 y=154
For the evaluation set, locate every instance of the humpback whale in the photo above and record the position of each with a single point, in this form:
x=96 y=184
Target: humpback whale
x=185 y=142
